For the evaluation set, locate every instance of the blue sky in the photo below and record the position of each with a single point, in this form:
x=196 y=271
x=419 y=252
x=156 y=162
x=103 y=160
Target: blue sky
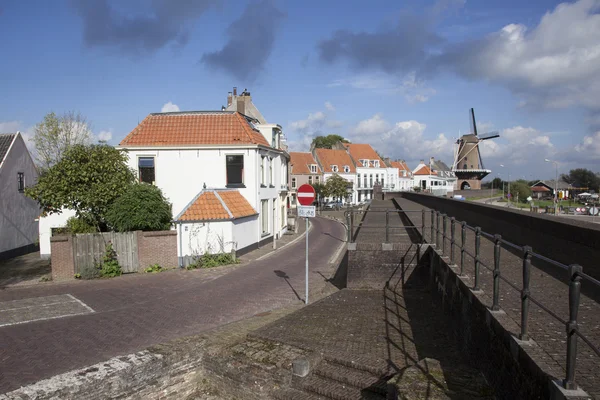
x=398 y=75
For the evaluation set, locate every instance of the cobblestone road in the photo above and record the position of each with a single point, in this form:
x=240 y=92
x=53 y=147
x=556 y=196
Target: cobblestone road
x=549 y=288
x=134 y=312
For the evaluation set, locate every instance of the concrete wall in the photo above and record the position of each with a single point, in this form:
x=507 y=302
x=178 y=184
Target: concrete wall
x=564 y=240
x=200 y=237
x=243 y=232
x=45 y=229
x=18 y=213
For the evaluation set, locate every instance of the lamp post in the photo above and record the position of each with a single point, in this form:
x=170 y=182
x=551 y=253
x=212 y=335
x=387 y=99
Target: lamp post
x=555 y=185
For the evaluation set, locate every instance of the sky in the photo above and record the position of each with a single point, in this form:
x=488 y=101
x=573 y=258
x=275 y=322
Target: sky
x=399 y=75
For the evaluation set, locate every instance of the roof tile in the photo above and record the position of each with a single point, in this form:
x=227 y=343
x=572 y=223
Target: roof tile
x=363 y=152
x=329 y=157
x=217 y=205
x=5 y=142
x=300 y=162
x=194 y=128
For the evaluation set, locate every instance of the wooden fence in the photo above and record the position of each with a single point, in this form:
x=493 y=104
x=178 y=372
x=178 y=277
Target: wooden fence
x=89 y=249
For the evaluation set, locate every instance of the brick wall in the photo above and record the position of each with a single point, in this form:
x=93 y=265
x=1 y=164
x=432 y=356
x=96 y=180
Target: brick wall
x=63 y=265
x=158 y=247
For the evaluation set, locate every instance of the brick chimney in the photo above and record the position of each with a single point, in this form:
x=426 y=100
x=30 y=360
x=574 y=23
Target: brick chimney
x=229 y=99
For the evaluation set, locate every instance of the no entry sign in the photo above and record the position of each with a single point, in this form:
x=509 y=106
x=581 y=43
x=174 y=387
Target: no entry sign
x=306 y=195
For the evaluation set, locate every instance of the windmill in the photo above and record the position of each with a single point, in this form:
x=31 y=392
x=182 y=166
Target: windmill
x=468 y=165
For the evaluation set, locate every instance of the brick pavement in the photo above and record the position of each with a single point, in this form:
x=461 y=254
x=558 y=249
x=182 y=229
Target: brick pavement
x=134 y=312
x=545 y=330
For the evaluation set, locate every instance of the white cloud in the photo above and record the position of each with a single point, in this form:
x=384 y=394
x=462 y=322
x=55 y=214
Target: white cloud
x=518 y=145
x=170 y=107
x=104 y=136
x=413 y=89
x=316 y=124
x=554 y=65
x=589 y=148
x=329 y=106
x=9 y=126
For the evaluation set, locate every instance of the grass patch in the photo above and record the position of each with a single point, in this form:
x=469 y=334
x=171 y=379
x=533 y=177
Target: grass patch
x=208 y=260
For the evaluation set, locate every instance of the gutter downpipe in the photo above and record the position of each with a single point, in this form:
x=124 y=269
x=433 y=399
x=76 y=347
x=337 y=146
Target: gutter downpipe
x=180 y=247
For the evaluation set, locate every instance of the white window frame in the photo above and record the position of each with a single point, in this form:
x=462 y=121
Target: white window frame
x=346 y=169
x=334 y=168
x=376 y=163
x=313 y=168
x=293 y=183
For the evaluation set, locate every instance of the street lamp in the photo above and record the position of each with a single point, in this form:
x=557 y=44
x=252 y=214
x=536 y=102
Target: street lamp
x=555 y=185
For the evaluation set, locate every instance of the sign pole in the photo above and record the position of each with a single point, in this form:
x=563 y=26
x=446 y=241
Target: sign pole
x=306 y=234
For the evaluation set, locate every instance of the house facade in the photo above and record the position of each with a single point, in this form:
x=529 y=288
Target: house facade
x=405 y=181
x=338 y=162
x=18 y=213
x=439 y=181
x=370 y=169
x=194 y=156
x=304 y=169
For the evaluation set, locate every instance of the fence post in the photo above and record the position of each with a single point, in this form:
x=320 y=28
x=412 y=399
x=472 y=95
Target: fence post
x=525 y=292
x=432 y=227
x=574 y=293
x=351 y=226
x=437 y=229
x=349 y=222
x=477 y=246
x=463 y=236
x=422 y=226
x=452 y=239
x=444 y=234
x=387 y=226
x=496 y=294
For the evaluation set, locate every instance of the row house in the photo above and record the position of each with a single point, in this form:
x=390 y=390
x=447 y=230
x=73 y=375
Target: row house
x=304 y=169
x=370 y=169
x=224 y=172
x=436 y=177
x=405 y=181
x=338 y=162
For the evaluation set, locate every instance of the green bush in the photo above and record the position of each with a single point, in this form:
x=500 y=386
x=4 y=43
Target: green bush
x=110 y=266
x=142 y=207
x=89 y=272
x=154 y=268
x=79 y=225
x=208 y=260
x=520 y=190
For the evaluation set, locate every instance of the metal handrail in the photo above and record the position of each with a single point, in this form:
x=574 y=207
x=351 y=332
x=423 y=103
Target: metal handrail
x=438 y=232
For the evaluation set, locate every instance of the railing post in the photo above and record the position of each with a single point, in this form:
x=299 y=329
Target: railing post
x=477 y=248
x=525 y=292
x=387 y=226
x=496 y=294
x=452 y=239
x=351 y=226
x=574 y=294
x=444 y=234
x=463 y=236
x=349 y=223
x=422 y=226
x=437 y=229
x=432 y=227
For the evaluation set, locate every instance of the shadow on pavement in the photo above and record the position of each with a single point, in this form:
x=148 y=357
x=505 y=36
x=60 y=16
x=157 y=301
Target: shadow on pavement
x=286 y=278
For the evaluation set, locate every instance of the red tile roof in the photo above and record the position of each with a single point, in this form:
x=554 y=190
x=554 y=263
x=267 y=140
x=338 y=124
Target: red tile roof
x=300 y=163
x=217 y=205
x=423 y=170
x=401 y=165
x=194 y=128
x=539 y=189
x=363 y=152
x=329 y=157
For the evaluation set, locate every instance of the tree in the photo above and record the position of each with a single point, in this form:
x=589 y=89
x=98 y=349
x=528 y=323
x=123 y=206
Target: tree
x=521 y=190
x=583 y=178
x=327 y=142
x=56 y=134
x=337 y=187
x=320 y=190
x=141 y=208
x=87 y=179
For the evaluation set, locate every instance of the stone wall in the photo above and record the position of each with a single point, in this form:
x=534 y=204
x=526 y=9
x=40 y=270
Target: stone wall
x=158 y=247
x=564 y=240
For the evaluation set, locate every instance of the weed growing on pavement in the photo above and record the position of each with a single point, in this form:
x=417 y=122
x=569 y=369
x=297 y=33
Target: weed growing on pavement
x=110 y=266
x=208 y=260
x=154 y=268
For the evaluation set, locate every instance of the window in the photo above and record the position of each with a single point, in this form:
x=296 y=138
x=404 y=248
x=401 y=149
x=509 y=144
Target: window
x=317 y=178
x=334 y=168
x=358 y=182
x=377 y=178
x=235 y=171
x=313 y=168
x=365 y=180
x=271 y=174
x=264 y=215
x=21 y=182
x=263 y=160
x=465 y=166
x=293 y=183
x=346 y=169
x=146 y=170
x=310 y=179
x=371 y=180
x=376 y=163
x=382 y=181
x=365 y=163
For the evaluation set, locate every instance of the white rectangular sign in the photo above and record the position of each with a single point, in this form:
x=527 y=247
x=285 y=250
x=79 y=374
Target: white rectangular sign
x=306 y=211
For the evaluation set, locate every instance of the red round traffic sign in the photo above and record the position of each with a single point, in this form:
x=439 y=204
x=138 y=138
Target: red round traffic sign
x=306 y=195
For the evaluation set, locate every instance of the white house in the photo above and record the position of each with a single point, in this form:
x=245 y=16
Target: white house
x=405 y=181
x=18 y=213
x=191 y=154
x=436 y=181
x=338 y=162
x=370 y=169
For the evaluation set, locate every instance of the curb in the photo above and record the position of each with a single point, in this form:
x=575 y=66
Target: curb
x=310 y=226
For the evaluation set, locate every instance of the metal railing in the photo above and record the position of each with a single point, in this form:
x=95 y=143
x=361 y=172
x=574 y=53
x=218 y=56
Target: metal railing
x=439 y=236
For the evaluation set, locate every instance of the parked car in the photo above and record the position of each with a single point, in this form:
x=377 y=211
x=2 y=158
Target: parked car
x=333 y=205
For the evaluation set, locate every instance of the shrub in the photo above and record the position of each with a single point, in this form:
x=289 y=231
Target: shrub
x=142 y=207
x=88 y=272
x=79 y=225
x=110 y=266
x=154 y=268
x=208 y=260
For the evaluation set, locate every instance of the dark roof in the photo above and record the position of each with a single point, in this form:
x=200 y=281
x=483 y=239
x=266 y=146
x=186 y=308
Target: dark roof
x=5 y=141
x=439 y=165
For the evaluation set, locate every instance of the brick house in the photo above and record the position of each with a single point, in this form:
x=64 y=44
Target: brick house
x=199 y=157
x=304 y=169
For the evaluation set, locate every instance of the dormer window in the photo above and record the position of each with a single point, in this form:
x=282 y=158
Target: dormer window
x=334 y=168
x=376 y=163
x=346 y=169
x=313 y=169
x=365 y=163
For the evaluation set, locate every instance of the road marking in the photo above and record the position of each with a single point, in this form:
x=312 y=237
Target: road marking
x=16 y=312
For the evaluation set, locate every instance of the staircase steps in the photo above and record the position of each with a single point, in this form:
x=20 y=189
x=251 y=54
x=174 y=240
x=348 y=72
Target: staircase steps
x=295 y=394
x=352 y=377
x=335 y=390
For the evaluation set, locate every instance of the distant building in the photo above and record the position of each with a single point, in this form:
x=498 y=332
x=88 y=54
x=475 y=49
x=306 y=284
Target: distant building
x=18 y=213
x=543 y=189
x=338 y=162
x=304 y=169
x=435 y=177
x=405 y=180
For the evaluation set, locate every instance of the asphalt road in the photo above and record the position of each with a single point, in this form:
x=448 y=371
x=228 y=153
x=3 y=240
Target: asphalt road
x=133 y=312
